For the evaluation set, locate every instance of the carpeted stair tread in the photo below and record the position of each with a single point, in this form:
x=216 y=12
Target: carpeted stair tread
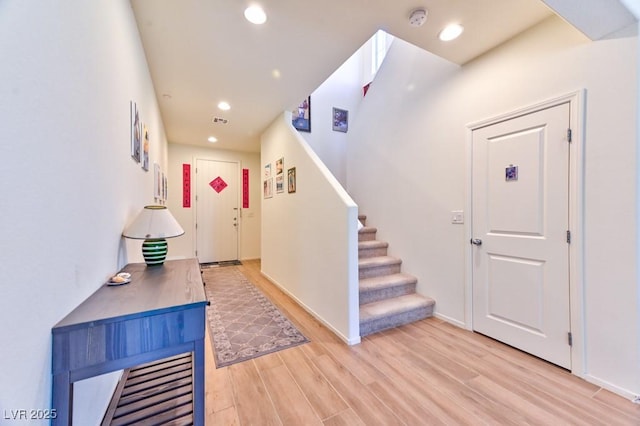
x=385 y=287
x=392 y=306
x=372 y=244
x=390 y=313
x=367 y=233
x=387 y=296
x=386 y=281
x=371 y=262
x=372 y=248
x=379 y=265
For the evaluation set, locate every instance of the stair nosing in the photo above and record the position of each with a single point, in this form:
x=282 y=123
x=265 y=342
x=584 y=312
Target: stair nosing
x=372 y=262
x=372 y=244
x=368 y=229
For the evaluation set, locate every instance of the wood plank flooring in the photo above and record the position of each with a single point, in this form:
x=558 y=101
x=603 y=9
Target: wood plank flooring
x=427 y=373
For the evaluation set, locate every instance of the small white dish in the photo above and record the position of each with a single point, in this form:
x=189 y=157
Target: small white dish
x=123 y=278
x=112 y=283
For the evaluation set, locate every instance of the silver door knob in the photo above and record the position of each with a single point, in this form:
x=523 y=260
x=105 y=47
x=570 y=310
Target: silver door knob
x=476 y=241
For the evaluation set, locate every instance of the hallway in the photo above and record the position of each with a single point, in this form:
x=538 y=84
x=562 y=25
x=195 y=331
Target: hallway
x=429 y=372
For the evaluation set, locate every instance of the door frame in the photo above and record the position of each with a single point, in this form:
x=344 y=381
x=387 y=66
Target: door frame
x=576 y=216
x=194 y=214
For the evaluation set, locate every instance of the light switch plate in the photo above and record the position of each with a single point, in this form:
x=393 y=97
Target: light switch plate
x=457 y=216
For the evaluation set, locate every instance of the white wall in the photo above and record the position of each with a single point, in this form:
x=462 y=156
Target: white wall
x=68 y=183
x=341 y=90
x=249 y=231
x=309 y=237
x=407 y=166
x=634 y=7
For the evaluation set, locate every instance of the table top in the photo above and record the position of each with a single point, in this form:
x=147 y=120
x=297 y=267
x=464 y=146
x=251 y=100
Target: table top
x=176 y=285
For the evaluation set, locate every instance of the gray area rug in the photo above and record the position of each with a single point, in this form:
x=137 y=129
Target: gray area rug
x=244 y=324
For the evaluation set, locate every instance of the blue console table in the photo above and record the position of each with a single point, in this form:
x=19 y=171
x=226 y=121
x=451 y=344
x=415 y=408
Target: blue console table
x=160 y=313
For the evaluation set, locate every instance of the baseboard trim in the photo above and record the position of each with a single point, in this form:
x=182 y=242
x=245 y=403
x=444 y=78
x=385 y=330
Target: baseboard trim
x=625 y=393
x=450 y=320
x=350 y=342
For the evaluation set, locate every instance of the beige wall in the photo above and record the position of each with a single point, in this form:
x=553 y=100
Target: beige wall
x=249 y=231
x=309 y=237
x=407 y=171
x=68 y=183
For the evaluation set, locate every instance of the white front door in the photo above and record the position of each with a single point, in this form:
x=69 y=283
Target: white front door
x=217 y=212
x=520 y=209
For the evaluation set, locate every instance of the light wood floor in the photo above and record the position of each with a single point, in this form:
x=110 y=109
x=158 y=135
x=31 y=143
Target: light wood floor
x=427 y=373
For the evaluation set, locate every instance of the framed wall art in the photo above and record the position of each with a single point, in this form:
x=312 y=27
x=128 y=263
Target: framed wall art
x=301 y=116
x=268 y=188
x=280 y=183
x=340 y=120
x=136 y=132
x=291 y=180
x=145 y=148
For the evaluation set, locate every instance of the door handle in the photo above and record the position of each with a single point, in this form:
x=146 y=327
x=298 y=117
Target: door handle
x=476 y=241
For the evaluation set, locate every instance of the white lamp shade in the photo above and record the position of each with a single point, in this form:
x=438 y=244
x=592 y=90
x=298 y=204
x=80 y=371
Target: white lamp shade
x=153 y=222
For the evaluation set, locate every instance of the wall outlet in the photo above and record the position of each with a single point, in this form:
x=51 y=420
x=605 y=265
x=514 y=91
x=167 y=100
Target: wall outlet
x=457 y=216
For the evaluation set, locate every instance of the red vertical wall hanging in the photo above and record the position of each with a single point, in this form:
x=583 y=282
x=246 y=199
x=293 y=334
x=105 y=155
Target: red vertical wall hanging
x=245 y=188
x=186 y=185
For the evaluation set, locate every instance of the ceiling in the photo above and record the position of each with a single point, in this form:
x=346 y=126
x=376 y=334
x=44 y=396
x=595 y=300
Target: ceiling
x=201 y=52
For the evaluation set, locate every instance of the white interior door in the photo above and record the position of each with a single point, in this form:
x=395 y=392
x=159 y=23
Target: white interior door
x=520 y=208
x=217 y=213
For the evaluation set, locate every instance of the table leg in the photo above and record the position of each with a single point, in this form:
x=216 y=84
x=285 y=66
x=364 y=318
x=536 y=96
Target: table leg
x=62 y=402
x=198 y=383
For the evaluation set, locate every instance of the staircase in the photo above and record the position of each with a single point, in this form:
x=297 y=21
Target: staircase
x=388 y=297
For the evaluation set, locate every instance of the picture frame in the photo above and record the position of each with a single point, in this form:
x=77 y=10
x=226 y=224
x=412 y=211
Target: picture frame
x=291 y=180
x=340 y=119
x=157 y=182
x=136 y=131
x=280 y=183
x=268 y=188
x=301 y=116
x=144 y=160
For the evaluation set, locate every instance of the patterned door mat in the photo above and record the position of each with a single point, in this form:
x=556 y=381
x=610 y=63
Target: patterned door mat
x=244 y=324
x=219 y=264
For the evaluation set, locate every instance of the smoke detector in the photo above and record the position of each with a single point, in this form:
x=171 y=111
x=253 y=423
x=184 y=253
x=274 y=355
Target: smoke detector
x=418 y=17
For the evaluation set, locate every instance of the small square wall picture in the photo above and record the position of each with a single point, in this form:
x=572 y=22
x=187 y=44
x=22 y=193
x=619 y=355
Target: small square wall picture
x=340 y=120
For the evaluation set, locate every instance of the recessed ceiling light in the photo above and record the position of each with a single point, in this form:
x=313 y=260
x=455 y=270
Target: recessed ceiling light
x=451 y=32
x=255 y=14
x=224 y=106
x=212 y=139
